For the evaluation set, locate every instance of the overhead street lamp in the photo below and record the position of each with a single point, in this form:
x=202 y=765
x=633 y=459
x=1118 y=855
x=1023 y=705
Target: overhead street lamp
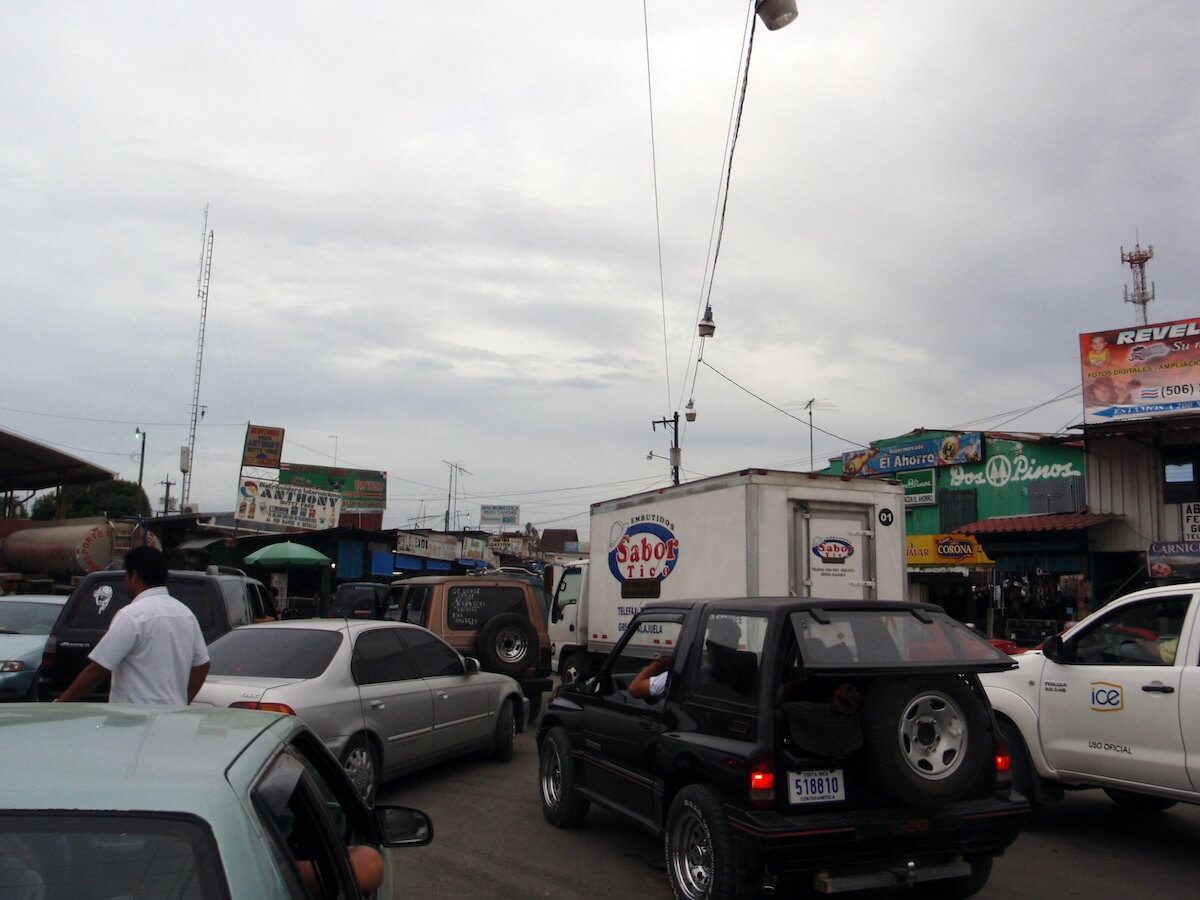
x=776 y=13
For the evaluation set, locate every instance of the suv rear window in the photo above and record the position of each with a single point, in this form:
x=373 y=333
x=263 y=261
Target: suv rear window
x=104 y=597
x=873 y=638
x=468 y=608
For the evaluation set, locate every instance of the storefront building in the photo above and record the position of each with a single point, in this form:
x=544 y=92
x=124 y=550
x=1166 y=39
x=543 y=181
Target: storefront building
x=987 y=516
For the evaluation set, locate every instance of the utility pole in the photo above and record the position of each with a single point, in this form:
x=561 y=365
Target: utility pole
x=676 y=453
x=206 y=248
x=809 y=407
x=456 y=469
x=167 y=482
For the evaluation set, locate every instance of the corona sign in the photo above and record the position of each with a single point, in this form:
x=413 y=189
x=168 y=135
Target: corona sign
x=644 y=550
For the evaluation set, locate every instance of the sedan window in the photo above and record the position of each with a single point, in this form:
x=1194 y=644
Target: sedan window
x=96 y=856
x=430 y=654
x=274 y=651
x=380 y=657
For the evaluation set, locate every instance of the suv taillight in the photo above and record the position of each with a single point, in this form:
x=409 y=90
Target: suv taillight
x=1002 y=761
x=762 y=782
x=48 y=653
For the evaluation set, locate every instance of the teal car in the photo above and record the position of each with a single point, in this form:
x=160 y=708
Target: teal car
x=25 y=623
x=103 y=801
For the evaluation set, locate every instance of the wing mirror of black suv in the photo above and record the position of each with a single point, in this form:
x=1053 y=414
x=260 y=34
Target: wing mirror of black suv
x=1052 y=648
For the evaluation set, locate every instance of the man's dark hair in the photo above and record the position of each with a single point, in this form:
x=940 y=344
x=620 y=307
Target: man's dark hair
x=149 y=563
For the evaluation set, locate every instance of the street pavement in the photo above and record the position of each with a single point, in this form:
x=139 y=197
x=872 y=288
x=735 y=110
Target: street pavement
x=491 y=841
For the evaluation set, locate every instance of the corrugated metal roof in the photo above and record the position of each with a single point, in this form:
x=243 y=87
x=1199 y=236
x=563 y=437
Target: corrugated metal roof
x=1076 y=521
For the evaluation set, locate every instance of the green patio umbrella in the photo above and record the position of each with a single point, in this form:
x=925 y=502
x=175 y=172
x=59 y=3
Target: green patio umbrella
x=285 y=555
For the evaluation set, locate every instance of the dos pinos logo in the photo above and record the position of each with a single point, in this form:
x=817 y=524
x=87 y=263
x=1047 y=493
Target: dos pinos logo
x=645 y=548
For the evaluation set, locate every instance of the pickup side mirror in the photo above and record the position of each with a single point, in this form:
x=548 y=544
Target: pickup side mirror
x=1052 y=648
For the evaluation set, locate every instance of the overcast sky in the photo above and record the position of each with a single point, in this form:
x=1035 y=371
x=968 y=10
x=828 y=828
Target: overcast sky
x=439 y=234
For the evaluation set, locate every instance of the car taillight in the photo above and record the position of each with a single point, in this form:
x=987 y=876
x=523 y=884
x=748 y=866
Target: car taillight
x=762 y=782
x=264 y=707
x=1002 y=762
x=48 y=653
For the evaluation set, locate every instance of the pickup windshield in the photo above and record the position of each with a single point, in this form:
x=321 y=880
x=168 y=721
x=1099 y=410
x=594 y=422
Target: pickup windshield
x=886 y=639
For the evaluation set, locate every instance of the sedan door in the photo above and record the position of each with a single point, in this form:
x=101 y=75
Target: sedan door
x=463 y=705
x=396 y=703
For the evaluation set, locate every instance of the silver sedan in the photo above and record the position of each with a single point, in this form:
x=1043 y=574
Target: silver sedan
x=385 y=697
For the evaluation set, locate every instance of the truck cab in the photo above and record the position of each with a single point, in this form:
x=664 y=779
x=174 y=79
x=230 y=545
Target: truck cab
x=1109 y=703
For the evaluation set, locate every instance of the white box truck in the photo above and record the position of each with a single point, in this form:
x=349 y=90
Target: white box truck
x=753 y=533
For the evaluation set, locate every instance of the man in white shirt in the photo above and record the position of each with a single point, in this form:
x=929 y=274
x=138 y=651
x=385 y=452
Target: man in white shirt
x=153 y=650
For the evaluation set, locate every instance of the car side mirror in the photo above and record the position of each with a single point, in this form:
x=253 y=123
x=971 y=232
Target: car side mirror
x=1052 y=648
x=470 y=665
x=402 y=826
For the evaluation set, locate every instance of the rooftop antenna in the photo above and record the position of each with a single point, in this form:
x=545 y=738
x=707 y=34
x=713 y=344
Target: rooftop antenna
x=206 y=249
x=1136 y=259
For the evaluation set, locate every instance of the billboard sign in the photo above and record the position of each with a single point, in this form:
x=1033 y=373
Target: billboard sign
x=926 y=453
x=499 y=515
x=263 y=446
x=1140 y=373
x=362 y=490
x=945 y=550
x=271 y=503
x=920 y=487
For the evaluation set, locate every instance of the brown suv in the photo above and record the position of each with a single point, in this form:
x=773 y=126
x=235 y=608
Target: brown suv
x=500 y=621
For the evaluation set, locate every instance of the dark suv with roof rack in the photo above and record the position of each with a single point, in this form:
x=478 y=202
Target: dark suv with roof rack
x=221 y=597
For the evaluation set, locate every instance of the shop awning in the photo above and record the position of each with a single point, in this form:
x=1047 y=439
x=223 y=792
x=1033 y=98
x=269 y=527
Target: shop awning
x=1076 y=521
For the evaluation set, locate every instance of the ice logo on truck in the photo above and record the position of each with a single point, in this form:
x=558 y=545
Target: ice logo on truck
x=833 y=550
x=644 y=550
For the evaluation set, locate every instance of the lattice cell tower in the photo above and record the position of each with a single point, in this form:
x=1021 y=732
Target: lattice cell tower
x=1136 y=259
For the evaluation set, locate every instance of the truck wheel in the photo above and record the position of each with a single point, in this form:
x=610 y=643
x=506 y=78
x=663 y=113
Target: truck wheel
x=1138 y=803
x=1022 y=766
x=508 y=644
x=506 y=728
x=358 y=759
x=568 y=668
x=959 y=888
x=562 y=804
x=698 y=845
x=926 y=738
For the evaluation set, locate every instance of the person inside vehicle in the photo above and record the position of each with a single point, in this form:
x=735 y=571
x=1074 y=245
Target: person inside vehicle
x=366 y=864
x=651 y=681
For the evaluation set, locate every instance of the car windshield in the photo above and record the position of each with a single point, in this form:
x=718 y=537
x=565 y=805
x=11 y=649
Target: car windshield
x=18 y=617
x=874 y=638
x=273 y=651
x=97 y=856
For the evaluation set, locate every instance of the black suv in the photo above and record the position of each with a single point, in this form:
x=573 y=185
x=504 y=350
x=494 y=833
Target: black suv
x=800 y=745
x=361 y=600
x=222 y=598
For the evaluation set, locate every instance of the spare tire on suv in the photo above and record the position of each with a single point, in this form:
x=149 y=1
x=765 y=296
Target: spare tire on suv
x=927 y=738
x=508 y=644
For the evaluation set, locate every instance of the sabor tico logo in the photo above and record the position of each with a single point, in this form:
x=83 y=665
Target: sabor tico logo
x=644 y=550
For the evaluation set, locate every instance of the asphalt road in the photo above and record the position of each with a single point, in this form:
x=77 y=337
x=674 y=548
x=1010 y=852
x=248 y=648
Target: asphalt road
x=491 y=841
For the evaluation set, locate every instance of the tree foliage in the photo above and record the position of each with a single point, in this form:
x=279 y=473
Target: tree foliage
x=114 y=499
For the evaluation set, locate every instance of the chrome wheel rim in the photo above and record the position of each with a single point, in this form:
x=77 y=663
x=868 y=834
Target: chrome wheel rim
x=933 y=735
x=511 y=646
x=690 y=856
x=551 y=777
x=360 y=766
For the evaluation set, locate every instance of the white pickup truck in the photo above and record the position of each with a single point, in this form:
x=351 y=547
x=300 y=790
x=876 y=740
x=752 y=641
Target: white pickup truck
x=1112 y=703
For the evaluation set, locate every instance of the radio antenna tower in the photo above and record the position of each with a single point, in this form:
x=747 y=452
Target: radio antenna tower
x=1136 y=259
x=189 y=453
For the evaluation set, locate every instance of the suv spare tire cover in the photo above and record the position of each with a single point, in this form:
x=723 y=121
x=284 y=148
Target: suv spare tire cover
x=926 y=738
x=508 y=644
